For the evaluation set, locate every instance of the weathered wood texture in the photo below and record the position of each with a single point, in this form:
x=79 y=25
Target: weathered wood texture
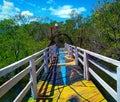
x=33 y=61
x=51 y=87
x=85 y=57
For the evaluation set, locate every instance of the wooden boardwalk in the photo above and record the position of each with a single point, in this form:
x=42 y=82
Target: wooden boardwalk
x=62 y=80
x=67 y=87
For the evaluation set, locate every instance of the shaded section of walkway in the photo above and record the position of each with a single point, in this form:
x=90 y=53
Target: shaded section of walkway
x=51 y=87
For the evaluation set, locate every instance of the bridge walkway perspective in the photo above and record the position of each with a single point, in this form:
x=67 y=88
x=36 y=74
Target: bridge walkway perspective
x=65 y=83
x=64 y=75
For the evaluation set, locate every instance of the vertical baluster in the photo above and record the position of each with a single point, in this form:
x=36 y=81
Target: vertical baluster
x=86 y=66
x=65 y=46
x=118 y=84
x=33 y=78
x=46 y=61
x=76 y=56
x=68 y=49
x=50 y=53
x=71 y=51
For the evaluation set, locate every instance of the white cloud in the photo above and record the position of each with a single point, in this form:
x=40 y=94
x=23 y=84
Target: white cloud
x=33 y=19
x=8 y=9
x=26 y=13
x=44 y=9
x=50 y=1
x=64 y=11
x=30 y=4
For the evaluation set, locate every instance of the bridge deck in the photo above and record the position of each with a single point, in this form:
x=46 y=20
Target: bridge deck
x=66 y=84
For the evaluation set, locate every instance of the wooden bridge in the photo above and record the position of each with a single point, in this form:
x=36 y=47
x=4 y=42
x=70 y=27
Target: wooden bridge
x=63 y=76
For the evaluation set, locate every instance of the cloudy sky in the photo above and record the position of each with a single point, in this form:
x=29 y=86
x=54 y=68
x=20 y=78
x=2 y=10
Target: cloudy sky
x=55 y=9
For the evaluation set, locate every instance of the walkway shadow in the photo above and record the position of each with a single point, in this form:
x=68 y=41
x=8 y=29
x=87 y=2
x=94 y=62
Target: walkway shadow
x=53 y=81
x=54 y=89
x=74 y=74
x=45 y=92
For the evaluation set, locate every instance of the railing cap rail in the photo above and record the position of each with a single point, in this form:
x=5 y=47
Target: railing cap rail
x=104 y=58
x=17 y=64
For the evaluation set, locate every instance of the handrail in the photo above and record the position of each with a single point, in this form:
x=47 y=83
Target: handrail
x=17 y=64
x=85 y=57
x=33 y=60
x=104 y=58
x=81 y=55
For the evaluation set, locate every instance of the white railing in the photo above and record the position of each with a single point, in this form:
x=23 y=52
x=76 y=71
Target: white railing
x=44 y=56
x=85 y=58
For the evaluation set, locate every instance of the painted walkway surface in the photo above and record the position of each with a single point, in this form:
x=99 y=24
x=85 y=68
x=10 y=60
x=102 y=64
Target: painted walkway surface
x=66 y=84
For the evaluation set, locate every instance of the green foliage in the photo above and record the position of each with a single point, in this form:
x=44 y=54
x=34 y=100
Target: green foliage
x=16 y=43
x=99 y=32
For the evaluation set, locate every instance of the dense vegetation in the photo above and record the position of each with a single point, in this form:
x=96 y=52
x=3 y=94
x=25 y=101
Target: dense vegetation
x=99 y=32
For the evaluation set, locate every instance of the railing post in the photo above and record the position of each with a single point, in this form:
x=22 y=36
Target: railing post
x=50 y=54
x=118 y=84
x=86 y=66
x=71 y=51
x=55 y=49
x=76 y=56
x=68 y=49
x=33 y=78
x=46 y=61
x=65 y=46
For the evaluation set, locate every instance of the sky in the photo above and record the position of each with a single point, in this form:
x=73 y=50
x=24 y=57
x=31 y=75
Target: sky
x=58 y=10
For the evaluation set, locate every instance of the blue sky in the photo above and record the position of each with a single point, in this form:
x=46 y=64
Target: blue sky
x=58 y=10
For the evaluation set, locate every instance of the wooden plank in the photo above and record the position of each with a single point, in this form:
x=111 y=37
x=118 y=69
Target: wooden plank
x=39 y=70
x=23 y=92
x=10 y=83
x=104 y=68
x=104 y=84
x=13 y=66
x=39 y=60
x=72 y=46
x=104 y=58
x=38 y=53
x=17 y=64
x=81 y=61
x=86 y=66
x=118 y=84
x=33 y=78
x=81 y=90
x=80 y=49
x=46 y=61
x=76 y=56
x=80 y=54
